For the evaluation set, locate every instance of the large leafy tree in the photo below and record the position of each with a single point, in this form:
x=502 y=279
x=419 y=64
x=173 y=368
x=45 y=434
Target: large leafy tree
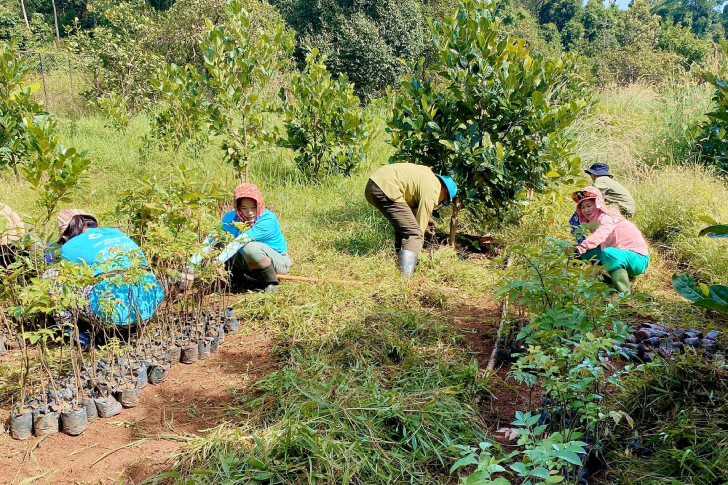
x=495 y=119
x=363 y=39
x=559 y=12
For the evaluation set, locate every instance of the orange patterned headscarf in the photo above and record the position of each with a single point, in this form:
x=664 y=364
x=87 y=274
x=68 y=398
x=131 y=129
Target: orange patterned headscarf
x=249 y=191
x=595 y=194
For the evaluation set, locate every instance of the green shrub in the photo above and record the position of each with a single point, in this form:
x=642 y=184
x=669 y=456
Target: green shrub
x=638 y=62
x=496 y=116
x=16 y=106
x=713 y=139
x=682 y=41
x=324 y=124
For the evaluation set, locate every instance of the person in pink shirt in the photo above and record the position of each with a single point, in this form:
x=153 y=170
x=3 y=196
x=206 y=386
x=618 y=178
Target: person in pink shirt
x=615 y=242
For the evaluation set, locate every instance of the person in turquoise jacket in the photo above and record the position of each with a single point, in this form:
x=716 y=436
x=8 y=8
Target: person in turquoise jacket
x=110 y=253
x=259 y=249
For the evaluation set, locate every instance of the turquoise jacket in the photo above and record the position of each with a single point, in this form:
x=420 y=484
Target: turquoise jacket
x=108 y=251
x=266 y=230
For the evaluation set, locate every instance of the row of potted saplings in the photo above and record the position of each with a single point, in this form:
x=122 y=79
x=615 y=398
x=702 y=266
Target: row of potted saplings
x=106 y=386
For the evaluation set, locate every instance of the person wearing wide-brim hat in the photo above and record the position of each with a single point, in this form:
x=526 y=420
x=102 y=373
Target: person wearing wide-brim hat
x=407 y=194
x=613 y=191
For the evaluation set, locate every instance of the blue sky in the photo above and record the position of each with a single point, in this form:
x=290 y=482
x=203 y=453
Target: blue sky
x=623 y=4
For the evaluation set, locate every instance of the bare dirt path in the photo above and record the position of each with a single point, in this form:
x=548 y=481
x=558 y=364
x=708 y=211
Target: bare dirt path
x=192 y=399
x=478 y=321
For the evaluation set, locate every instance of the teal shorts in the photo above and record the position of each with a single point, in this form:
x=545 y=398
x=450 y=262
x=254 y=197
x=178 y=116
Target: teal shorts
x=613 y=259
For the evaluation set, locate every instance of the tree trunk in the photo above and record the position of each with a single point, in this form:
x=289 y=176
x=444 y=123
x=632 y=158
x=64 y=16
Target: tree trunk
x=454 y=219
x=55 y=17
x=25 y=14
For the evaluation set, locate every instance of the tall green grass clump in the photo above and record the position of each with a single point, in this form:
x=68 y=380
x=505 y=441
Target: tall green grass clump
x=670 y=203
x=640 y=126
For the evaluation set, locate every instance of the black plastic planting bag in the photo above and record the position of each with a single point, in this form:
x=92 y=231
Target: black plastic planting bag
x=189 y=355
x=174 y=355
x=45 y=423
x=74 y=421
x=107 y=406
x=21 y=424
x=129 y=398
x=203 y=349
x=158 y=373
x=140 y=373
x=91 y=412
x=214 y=343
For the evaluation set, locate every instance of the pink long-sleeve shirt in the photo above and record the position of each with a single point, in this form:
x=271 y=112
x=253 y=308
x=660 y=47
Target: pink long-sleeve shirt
x=613 y=233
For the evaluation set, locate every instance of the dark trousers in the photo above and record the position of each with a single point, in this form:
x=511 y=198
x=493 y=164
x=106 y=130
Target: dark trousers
x=407 y=232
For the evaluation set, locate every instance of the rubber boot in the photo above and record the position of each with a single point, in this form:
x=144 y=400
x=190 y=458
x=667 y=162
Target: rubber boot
x=407 y=261
x=620 y=280
x=267 y=276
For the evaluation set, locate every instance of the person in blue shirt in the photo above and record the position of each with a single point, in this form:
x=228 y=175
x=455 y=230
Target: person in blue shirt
x=259 y=249
x=111 y=254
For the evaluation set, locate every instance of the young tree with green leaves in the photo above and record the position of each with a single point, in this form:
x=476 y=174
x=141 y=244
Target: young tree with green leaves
x=16 y=104
x=325 y=124
x=239 y=62
x=240 y=58
x=495 y=119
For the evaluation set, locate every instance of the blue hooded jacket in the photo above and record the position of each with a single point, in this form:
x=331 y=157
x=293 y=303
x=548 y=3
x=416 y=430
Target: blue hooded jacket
x=107 y=251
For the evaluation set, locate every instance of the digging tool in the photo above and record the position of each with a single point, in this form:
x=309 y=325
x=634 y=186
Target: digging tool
x=317 y=280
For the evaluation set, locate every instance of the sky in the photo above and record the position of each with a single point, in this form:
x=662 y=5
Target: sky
x=623 y=4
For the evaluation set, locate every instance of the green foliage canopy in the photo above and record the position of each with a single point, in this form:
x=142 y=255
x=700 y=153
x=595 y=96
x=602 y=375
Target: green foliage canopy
x=362 y=39
x=496 y=122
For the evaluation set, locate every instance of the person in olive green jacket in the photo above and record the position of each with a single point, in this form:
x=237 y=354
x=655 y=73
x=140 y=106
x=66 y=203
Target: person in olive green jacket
x=613 y=191
x=406 y=194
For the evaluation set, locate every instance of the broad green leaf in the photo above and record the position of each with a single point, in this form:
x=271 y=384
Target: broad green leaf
x=464 y=461
x=719 y=230
x=569 y=456
x=686 y=287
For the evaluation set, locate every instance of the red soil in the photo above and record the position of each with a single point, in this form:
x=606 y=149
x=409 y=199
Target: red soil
x=192 y=399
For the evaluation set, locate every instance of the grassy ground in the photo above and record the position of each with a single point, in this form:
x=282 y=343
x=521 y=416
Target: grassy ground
x=375 y=383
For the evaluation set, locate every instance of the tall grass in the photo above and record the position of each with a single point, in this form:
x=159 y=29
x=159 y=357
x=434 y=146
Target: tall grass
x=637 y=127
